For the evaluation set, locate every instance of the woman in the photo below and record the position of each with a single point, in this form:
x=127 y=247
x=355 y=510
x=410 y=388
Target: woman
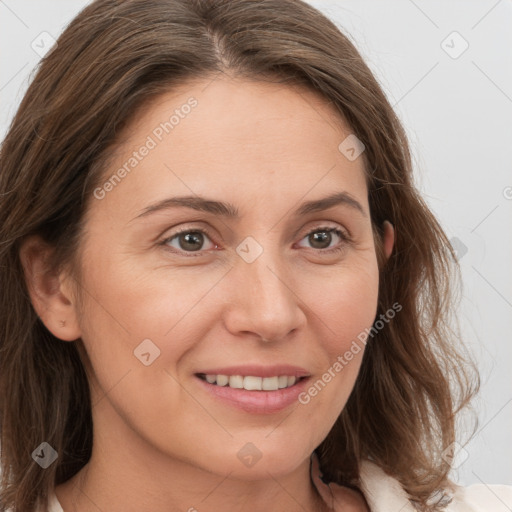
x=221 y=289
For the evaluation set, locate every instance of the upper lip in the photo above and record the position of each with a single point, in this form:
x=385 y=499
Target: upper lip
x=258 y=370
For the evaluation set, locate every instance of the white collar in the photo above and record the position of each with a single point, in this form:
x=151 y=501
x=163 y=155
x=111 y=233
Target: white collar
x=382 y=492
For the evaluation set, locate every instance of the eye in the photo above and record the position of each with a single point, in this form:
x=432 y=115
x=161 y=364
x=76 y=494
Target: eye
x=322 y=237
x=188 y=240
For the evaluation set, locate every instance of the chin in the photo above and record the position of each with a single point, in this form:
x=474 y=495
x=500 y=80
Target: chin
x=259 y=459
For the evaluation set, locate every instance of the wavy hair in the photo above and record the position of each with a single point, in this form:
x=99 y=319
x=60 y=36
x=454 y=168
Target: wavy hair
x=110 y=61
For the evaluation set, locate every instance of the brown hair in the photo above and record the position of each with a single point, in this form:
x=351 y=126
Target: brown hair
x=109 y=62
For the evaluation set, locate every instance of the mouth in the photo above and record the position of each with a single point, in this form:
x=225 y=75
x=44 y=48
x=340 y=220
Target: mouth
x=251 y=382
x=254 y=394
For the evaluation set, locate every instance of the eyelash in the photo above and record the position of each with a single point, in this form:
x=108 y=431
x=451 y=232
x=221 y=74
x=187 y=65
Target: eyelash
x=343 y=235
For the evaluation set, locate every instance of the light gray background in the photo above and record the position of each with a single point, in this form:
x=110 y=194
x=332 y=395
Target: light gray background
x=457 y=110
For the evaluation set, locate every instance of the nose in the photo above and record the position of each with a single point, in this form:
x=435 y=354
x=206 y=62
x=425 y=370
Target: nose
x=264 y=299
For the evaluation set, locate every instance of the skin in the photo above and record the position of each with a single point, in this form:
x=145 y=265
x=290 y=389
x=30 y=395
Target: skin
x=160 y=441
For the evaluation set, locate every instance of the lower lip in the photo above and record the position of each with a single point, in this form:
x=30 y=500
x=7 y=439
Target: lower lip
x=256 y=402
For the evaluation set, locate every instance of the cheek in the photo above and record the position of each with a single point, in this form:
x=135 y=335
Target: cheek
x=343 y=312
x=135 y=302
x=346 y=303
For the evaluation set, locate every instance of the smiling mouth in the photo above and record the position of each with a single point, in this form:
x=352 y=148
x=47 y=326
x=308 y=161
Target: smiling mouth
x=251 y=382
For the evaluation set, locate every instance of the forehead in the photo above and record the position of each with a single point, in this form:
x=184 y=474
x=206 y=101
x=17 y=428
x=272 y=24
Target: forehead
x=234 y=139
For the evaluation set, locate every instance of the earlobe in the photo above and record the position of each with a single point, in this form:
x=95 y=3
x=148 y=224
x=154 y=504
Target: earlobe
x=389 y=238
x=51 y=300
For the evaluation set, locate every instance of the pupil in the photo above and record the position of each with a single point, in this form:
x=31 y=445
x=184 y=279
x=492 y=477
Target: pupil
x=321 y=236
x=188 y=240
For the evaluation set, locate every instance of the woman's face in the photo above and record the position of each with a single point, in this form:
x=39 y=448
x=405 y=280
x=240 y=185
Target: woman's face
x=256 y=285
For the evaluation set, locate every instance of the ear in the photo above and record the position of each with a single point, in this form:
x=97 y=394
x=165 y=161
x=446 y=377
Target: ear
x=50 y=292
x=389 y=238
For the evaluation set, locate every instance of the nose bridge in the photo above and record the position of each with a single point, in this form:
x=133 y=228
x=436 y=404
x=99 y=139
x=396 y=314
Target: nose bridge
x=266 y=303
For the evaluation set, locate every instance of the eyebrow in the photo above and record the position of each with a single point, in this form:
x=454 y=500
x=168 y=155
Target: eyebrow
x=230 y=211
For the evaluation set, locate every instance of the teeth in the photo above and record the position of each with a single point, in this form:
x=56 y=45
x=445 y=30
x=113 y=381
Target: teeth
x=270 y=383
x=236 y=381
x=282 y=381
x=222 y=380
x=251 y=383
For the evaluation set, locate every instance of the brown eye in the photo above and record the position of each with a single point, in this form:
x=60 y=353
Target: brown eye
x=188 y=241
x=318 y=239
x=321 y=239
x=192 y=240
